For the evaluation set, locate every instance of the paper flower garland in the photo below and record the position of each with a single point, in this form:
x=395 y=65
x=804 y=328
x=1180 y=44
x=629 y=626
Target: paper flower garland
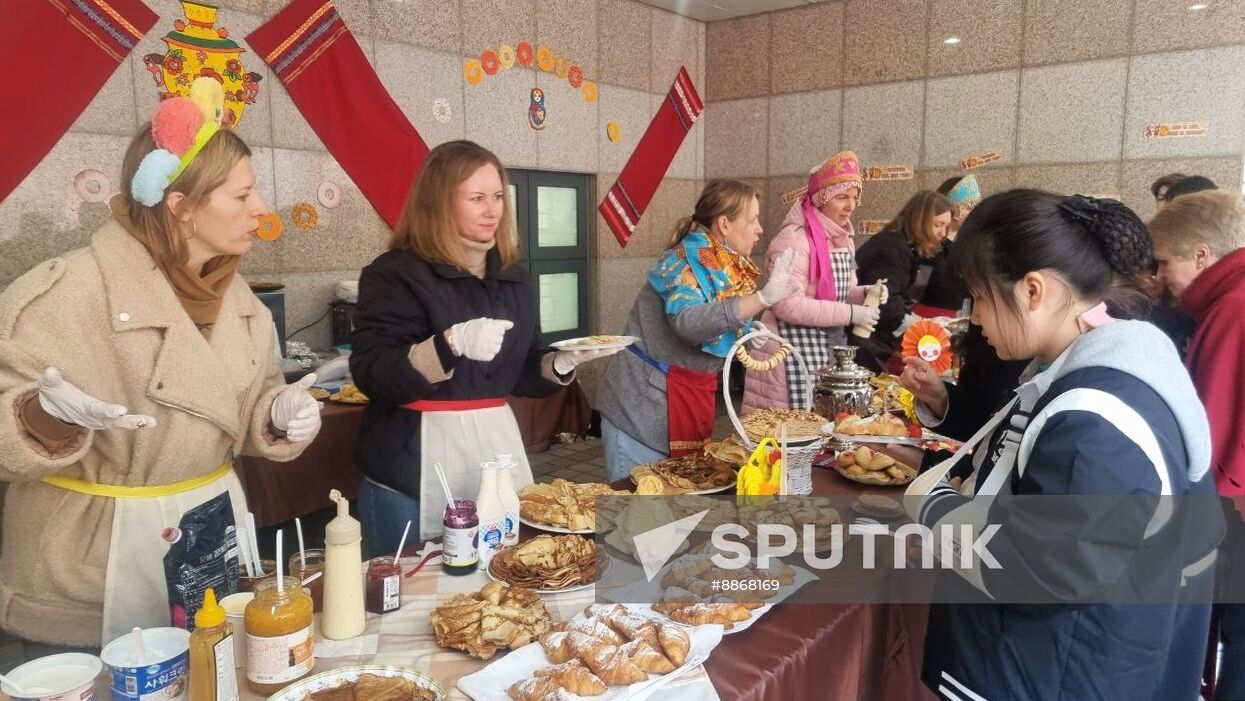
x=305 y=216
x=270 y=227
x=929 y=341
x=493 y=61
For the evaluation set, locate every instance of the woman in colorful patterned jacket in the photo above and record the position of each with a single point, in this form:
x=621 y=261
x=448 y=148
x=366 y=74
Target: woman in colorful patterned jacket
x=659 y=400
x=818 y=229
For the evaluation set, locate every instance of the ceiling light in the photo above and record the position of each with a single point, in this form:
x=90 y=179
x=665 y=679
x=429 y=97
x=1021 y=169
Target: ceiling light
x=951 y=41
x=1198 y=6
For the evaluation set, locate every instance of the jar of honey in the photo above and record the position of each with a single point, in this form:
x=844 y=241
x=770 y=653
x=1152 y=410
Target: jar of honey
x=279 y=642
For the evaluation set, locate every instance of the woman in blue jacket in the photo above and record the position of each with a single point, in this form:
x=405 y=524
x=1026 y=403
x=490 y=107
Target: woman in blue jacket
x=1100 y=582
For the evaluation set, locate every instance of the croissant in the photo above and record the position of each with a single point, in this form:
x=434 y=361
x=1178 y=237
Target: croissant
x=611 y=664
x=684 y=569
x=540 y=689
x=675 y=598
x=574 y=677
x=723 y=614
x=597 y=628
x=645 y=657
x=557 y=645
x=674 y=643
x=633 y=627
x=647 y=482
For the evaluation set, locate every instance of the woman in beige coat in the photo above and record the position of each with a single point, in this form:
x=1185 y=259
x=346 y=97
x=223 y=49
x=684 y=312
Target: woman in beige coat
x=141 y=362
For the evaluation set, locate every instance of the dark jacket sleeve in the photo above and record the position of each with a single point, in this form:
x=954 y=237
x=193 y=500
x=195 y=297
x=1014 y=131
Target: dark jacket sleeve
x=390 y=317
x=890 y=259
x=535 y=381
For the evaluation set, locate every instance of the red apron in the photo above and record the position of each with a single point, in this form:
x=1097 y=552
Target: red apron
x=691 y=409
x=691 y=405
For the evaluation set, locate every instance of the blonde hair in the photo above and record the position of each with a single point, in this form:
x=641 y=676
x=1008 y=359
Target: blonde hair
x=1212 y=217
x=156 y=227
x=428 y=228
x=913 y=221
x=720 y=198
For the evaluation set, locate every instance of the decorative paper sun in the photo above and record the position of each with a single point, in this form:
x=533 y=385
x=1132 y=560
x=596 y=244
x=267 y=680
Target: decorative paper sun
x=930 y=342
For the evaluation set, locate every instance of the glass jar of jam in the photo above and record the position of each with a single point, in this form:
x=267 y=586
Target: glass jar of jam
x=279 y=642
x=246 y=583
x=460 y=546
x=384 y=581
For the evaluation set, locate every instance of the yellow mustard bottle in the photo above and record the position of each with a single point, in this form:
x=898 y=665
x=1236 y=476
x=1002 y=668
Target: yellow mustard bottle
x=279 y=643
x=212 y=673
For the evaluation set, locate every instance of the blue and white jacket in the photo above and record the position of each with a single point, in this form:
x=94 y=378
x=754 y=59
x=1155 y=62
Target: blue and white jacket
x=1117 y=419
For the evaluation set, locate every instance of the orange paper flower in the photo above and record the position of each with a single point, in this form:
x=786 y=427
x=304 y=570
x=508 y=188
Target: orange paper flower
x=505 y=55
x=590 y=91
x=544 y=59
x=269 y=227
x=472 y=71
x=561 y=67
x=930 y=342
x=305 y=216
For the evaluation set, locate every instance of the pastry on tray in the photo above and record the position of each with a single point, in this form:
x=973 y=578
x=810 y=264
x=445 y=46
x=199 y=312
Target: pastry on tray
x=868 y=466
x=878 y=425
x=495 y=617
x=801 y=425
x=547 y=562
x=689 y=473
x=607 y=646
x=564 y=504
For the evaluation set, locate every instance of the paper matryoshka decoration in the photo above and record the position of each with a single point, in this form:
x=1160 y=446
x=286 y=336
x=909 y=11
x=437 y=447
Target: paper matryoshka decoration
x=930 y=342
x=536 y=114
x=198 y=48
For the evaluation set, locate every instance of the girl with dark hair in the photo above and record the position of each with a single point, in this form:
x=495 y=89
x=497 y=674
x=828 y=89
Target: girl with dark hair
x=909 y=256
x=1102 y=411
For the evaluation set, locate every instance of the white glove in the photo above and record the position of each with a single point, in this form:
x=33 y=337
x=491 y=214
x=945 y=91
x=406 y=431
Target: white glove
x=884 y=292
x=295 y=412
x=759 y=341
x=71 y=405
x=565 y=362
x=479 y=339
x=865 y=316
x=781 y=283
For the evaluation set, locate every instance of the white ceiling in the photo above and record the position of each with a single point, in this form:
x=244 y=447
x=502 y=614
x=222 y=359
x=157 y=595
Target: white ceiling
x=714 y=10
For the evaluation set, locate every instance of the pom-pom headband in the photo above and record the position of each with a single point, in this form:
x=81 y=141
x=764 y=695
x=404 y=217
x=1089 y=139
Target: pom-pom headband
x=181 y=127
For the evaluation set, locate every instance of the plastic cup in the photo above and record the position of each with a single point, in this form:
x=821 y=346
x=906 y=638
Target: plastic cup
x=235 y=613
x=66 y=677
x=163 y=674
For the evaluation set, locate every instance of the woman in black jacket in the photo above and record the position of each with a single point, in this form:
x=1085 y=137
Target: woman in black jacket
x=909 y=255
x=445 y=330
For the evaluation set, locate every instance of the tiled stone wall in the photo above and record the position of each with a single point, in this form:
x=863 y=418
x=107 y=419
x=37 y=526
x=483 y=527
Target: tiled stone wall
x=1064 y=88
x=417 y=47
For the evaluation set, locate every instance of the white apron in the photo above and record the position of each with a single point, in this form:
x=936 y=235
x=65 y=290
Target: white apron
x=135 y=591
x=460 y=441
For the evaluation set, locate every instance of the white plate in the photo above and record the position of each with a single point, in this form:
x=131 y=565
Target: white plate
x=574 y=587
x=684 y=683
x=576 y=344
x=651 y=591
x=334 y=678
x=555 y=529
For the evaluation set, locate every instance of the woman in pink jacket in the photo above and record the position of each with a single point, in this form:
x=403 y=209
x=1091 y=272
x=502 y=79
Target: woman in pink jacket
x=818 y=228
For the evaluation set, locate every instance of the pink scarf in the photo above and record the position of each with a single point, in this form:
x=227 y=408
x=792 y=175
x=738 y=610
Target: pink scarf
x=819 y=266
